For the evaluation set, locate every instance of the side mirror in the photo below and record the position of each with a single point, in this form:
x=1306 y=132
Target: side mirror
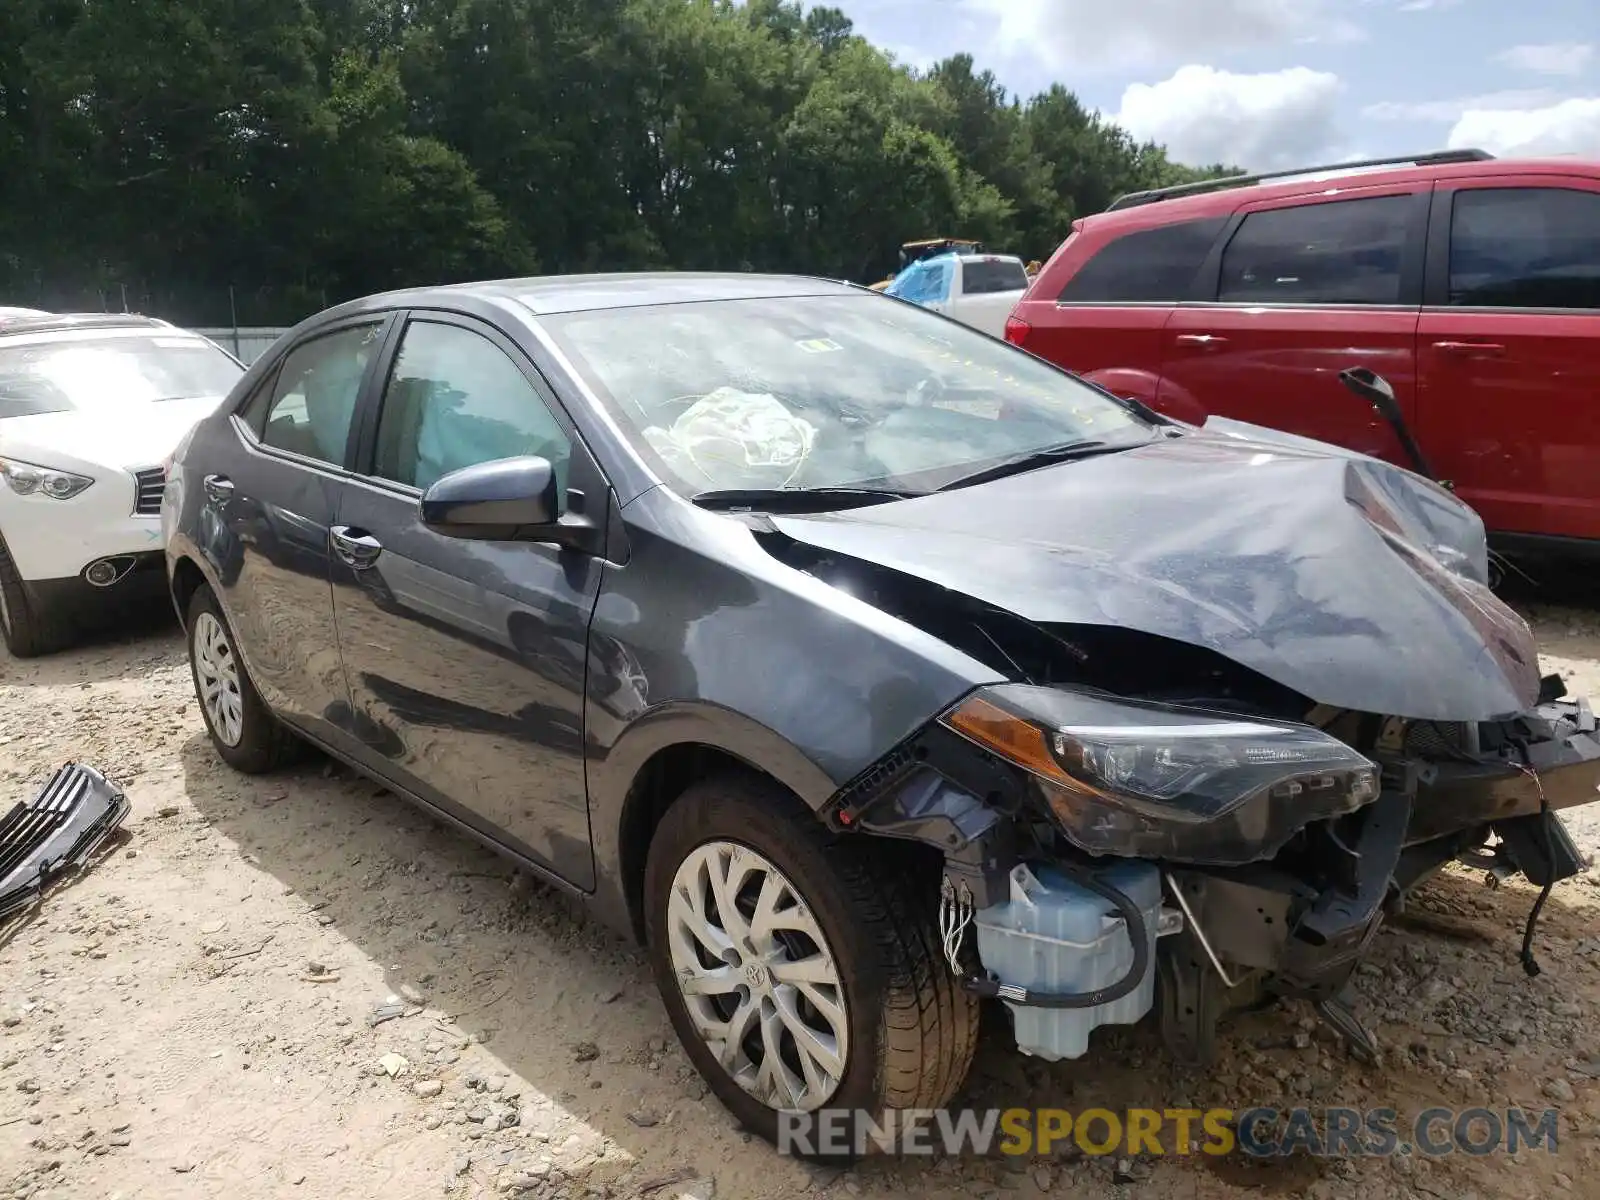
x=510 y=499
x=1374 y=389
x=507 y=494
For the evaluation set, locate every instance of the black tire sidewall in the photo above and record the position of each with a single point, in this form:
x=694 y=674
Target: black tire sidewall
x=749 y=813
x=15 y=623
x=29 y=632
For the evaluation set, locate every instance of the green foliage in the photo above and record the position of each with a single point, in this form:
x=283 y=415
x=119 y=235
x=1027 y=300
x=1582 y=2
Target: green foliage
x=303 y=151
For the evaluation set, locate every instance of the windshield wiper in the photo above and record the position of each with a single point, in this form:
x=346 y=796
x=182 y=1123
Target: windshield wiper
x=1033 y=459
x=816 y=499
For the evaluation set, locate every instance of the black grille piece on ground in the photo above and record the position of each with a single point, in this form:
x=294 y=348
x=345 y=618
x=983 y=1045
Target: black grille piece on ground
x=55 y=832
x=148 y=490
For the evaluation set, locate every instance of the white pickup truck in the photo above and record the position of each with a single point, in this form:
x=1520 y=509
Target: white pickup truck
x=979 y=290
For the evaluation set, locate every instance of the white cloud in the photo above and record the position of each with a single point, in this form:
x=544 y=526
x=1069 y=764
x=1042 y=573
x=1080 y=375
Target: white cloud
x=1098 y=32
x=1451 y=110
x=1280 y=119
x=1570 y=127
x=1550 y=58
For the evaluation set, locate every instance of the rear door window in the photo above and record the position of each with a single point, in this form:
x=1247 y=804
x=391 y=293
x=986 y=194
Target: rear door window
x=1152 y=266
x=1525 y=248
x=1335 y=252
x=981 y=277
x=314 y=400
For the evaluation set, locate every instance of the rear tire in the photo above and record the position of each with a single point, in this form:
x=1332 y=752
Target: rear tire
x=28 y=627
x=245 y=733
x=910 y=1029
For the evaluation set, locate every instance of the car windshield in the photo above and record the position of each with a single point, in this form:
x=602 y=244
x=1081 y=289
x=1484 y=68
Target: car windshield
x=826 y=392
x=102 y=374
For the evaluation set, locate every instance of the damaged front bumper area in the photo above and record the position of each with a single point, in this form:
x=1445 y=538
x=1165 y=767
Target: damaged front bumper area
x=1253 y=859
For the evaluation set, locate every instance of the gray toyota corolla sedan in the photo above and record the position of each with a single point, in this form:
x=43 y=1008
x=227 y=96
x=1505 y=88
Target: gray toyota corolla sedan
x=863 y=666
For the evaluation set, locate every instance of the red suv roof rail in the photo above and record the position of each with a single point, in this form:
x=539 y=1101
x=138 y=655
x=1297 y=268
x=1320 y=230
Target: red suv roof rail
x=1433 y=158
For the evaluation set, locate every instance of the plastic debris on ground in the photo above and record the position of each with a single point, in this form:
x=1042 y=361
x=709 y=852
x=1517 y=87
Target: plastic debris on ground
x=56 y=833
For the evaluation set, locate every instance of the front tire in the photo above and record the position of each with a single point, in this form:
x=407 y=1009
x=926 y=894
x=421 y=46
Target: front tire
x=243 y=730
x=801 y=969
x=28 y=627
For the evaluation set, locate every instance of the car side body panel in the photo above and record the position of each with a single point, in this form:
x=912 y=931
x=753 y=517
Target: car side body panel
x=705 y=639
x=1151 y=390
x=264 y=552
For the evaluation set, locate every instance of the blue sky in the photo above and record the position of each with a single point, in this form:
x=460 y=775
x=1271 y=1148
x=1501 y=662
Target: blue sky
x=1277 y=83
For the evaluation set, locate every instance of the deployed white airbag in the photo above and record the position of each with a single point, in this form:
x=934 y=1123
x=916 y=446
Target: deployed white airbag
x=736 y=439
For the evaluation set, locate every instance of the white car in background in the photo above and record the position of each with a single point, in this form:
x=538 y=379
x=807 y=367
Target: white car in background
x=979 y=290
x=91 y=406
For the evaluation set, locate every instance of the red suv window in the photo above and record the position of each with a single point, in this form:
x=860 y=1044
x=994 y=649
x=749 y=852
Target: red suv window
x=1525 y=248
x=1345 y=252
x=1150 y=266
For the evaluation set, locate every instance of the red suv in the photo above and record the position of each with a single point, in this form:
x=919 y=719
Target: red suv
x=1471 y=284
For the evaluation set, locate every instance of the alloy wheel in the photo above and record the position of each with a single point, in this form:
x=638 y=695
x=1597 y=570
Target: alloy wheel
x=758 y=977
x=216 y=673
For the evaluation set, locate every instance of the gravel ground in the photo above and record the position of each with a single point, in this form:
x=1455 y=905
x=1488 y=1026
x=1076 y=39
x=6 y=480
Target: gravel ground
x=193 y=1016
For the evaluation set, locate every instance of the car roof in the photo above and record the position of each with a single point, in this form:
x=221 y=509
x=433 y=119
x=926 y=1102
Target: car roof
x=547 y=295
x=76 y=322
x=1316 y=181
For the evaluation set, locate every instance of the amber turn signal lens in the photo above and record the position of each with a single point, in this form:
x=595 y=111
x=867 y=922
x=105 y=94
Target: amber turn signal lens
x=1012 y=738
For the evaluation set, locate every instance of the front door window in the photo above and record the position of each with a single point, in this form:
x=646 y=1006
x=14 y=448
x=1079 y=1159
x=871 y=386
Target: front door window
x=454 y=400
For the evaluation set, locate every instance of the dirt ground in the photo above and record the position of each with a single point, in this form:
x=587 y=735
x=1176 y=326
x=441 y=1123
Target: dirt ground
x=193 y=1016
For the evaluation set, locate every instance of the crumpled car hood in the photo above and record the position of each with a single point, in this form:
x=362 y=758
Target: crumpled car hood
x=1351 y=581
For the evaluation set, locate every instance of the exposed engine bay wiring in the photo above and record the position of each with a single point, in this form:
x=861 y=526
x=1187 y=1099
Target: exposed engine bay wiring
x=955 y=916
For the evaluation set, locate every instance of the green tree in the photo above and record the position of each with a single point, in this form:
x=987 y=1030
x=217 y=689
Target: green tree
x=303 y=151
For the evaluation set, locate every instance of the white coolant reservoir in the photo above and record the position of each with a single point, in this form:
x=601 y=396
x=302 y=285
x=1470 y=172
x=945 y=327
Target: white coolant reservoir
x=1054 y=936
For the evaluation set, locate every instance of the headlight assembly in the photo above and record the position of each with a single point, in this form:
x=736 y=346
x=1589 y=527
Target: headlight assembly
x=1150 y=781
x=25 y=479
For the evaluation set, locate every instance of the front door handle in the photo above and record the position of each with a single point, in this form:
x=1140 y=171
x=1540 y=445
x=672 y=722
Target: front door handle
x=1202 y=341
x=1471 y=349
x=356 y=547
x=219 y=488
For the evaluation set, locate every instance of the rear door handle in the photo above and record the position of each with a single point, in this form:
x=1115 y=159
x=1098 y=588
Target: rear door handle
x=356 y=547
x=1204 y=341
x=1471 y=349
x=218 y=487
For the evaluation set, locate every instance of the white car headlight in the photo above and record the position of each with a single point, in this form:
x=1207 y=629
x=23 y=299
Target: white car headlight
x=25 y=479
